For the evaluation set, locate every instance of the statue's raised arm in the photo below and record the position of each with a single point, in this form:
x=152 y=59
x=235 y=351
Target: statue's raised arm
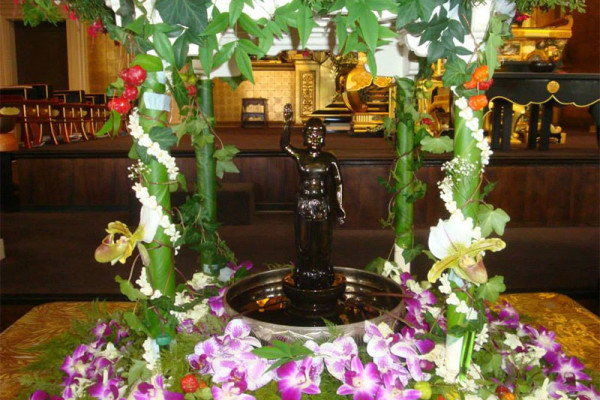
x=288 y=115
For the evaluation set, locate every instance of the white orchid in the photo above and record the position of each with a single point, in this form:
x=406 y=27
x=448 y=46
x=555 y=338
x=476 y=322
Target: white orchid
x=457 y=245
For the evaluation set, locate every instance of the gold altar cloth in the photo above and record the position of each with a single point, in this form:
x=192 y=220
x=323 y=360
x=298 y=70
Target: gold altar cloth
x=577 y=330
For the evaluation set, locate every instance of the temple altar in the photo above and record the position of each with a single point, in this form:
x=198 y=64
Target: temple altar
x=576 y=330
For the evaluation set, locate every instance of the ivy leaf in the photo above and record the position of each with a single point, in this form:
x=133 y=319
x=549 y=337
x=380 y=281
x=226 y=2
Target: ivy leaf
x=491 y=290
x=407 y=12
x=410 y=254
x=437 y=145
x=111 y=126
x=425 y=8
x=435 y=51
x=244 y=64
x=128 y=290
x=224 y=158
x=162 y=44
x=376 y=265
x=455 y=72
x=188 y=13
x=487 y=190
x=179 y=91
x=137 y=372
x=491 y=219
x=163 y=136
x=148 y=62
x=415 y=28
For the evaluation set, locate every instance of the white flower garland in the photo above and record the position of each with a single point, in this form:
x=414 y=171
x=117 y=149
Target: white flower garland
x=472 y=122
x=143 y=139
x=457 y=167
x=170 y=229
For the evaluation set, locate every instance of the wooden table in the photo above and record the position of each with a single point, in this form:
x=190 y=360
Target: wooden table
x=578 y=330
x=537 y=89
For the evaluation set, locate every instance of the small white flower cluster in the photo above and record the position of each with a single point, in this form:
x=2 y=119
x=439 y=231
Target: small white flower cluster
x=461 y=306
x=196 y=314
x=391 y=271
x=473 y=123
x=201 y=280
x=151 y=354
x=146 y=287
x=481 y=338
x=136 y=170
x=143 y=139
x=455 y=169
x=438 y=357
x=170 y=229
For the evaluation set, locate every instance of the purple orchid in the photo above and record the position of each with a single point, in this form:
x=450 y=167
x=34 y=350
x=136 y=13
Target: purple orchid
x=101 y=330
x=337 y=355
x=410 y=348
x=230 y=391
x=75 y=365
x=393 y=389
x=587 y=393
x=237 y=337
x=187 y=326
x=546 y=340
x=204 y=354
x=508 y=317
x=217 y=303
x=379 y=339
x=106 y=389
x=41 y=395
x=570 y=370
x=155 y=389
x=247 y=368
x=297 y=377
x=360 y=381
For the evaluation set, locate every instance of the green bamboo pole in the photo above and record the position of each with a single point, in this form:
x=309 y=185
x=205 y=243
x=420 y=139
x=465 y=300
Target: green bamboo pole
x=403 y=172
x=206 y=178
x=467 y=191
x=161 y=269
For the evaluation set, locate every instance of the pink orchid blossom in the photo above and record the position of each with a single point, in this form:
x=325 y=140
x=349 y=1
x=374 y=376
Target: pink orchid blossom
x=297 y=377
x=362 y=382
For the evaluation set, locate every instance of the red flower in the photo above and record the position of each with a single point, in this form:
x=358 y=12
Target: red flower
x=427 y=121
x=519 y=17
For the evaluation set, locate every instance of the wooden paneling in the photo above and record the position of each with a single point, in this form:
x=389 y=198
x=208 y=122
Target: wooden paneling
x=533 y=195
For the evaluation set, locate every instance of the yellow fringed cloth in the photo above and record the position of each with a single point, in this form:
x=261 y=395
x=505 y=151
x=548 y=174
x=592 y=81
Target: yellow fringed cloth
x=577 y=330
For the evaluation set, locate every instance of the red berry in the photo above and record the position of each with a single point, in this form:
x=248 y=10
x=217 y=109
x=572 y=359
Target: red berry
x=189 y=383
x=136 y=75
x=500 y=390
x=130 y=93
x=486 y=85
x=192 y=90
x=120 y=105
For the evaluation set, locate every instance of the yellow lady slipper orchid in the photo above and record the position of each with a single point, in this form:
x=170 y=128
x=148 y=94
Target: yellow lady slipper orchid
x=457 y=244
x=119 y=248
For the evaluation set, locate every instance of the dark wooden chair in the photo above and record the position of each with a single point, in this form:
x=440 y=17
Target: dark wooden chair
x=254 y=118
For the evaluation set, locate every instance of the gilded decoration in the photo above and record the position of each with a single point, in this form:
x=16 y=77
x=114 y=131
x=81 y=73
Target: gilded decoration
x=307 y=93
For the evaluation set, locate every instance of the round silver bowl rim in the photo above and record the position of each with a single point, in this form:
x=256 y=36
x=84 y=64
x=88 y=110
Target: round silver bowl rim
x=268 y=331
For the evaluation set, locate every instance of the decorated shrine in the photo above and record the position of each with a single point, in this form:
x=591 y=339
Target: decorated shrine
x=425 y=319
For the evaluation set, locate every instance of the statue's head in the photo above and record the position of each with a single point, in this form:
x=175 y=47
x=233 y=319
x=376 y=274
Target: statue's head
x=314 y=134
